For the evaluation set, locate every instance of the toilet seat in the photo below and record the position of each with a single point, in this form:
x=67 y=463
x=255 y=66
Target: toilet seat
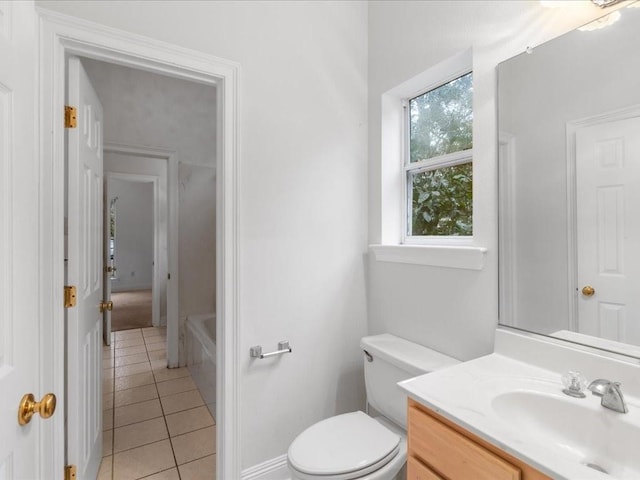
x=343 y=447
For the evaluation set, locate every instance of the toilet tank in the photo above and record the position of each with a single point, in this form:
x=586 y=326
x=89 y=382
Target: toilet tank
x=391 y=360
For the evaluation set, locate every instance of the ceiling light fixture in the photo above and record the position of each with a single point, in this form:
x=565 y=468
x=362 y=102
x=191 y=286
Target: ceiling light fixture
x=605 y=3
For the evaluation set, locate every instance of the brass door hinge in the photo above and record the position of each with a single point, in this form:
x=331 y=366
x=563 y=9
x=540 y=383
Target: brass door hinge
x=106 y=306
x=70 y=472
x=69 y=296
x=70 y=117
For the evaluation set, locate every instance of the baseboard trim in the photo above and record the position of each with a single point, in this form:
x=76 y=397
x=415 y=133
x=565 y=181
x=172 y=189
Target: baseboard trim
x=274 y=469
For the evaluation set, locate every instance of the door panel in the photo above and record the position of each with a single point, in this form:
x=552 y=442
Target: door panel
x=84 y=331
x=19 y=272
x=608 y=188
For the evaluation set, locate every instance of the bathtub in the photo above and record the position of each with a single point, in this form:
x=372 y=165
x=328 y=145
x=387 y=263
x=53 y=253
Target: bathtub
x=201 y=356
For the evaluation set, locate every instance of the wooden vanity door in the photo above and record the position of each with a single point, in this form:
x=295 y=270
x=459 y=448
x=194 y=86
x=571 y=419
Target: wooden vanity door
x=452 y=454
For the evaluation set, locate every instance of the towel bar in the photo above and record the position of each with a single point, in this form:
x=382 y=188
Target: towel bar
x=283 y=347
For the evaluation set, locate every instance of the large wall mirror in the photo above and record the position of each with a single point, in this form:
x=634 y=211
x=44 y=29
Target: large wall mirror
x=569 y=156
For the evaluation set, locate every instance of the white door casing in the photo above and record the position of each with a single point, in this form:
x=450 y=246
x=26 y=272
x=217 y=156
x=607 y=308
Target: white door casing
x=85 y=260
x=161 y=166
x=19 y=230
x=62 y=35
x=607 y=235
x=106 y=286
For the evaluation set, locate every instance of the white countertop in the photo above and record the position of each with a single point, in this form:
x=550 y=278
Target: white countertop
x=464 y=394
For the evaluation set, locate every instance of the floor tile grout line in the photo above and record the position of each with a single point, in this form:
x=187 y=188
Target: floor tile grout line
x=145 y=445
x=161 y=471
x=189 y=432
x=133 y=423
x=164 y=414
x=137 y=386
x=156 y=441
x=164 y=417
x=126 y=356
x=131 y=355
x=178 y=393
x=136 y=403
x=113 y=413
x=142 y=401
x=193 y=408
x=198 y=459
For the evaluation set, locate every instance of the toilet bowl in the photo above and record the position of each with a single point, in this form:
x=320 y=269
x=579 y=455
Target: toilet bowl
x=356 y=446
x=348 y=447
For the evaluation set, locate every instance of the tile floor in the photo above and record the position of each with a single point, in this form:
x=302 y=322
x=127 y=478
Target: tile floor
x=156 y=425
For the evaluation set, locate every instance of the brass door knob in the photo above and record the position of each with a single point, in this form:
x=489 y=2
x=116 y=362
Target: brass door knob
x=29 y=407
x=588 y=291
x=106 y=306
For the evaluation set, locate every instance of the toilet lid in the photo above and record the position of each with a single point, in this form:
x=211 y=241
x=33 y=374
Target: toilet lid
x=345 y=443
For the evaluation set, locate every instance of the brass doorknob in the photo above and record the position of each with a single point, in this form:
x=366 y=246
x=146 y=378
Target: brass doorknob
x=29 y=407
x=106 y=306
x=588 y=291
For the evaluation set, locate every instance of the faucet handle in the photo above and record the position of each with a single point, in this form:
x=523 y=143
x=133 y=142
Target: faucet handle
x=574 y=383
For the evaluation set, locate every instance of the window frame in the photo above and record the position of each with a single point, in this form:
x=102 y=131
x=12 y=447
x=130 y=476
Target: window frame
x=448 y=160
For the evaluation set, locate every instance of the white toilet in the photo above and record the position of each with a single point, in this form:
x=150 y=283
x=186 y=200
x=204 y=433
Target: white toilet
x=355 y=445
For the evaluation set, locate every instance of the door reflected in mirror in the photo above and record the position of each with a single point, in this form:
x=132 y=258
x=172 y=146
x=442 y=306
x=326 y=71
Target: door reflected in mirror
x=569 y=160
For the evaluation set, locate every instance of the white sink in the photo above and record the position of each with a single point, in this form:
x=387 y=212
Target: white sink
x=579 y=430
x=521 y=409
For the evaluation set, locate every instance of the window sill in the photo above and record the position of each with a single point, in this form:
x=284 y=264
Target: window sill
x=447 y=256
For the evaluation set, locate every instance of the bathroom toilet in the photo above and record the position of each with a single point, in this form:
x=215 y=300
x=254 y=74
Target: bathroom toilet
x=358 y=446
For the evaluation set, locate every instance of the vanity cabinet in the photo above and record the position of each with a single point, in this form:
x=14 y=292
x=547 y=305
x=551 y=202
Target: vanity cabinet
x=441 y=450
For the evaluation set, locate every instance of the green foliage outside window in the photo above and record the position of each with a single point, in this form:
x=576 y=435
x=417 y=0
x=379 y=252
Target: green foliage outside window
x=441 y=122
x=442 y=201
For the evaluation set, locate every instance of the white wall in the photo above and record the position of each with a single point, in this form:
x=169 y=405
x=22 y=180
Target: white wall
x=134 y=234
x=197 y=249
x=146 y=109
x=454 y=311
x=302 y=195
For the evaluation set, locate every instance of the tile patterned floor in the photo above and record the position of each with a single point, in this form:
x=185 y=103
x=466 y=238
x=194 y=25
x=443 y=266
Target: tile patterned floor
x=156 y=425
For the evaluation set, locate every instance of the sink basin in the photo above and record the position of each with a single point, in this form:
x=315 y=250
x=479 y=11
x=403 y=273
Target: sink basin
x=579 y=430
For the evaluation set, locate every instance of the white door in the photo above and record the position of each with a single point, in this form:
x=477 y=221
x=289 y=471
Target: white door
x=106 y=253
x=20 y=447
x=84 y=323
x=608 y=230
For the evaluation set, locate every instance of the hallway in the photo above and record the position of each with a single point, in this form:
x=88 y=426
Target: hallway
x=155 y=423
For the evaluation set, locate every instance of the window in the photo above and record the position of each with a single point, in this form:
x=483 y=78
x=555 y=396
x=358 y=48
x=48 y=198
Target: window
x=438 y=164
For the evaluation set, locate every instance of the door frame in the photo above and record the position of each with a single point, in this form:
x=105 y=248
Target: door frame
x=61 y=36
x=155 y=270
x=572 y=211
x=170 y=158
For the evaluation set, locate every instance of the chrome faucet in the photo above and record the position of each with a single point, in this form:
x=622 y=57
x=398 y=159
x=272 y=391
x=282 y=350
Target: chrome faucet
x=611 y=394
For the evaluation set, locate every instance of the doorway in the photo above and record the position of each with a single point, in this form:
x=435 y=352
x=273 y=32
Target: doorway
x=145 y=108
x=63 y=36
x=132 y=257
